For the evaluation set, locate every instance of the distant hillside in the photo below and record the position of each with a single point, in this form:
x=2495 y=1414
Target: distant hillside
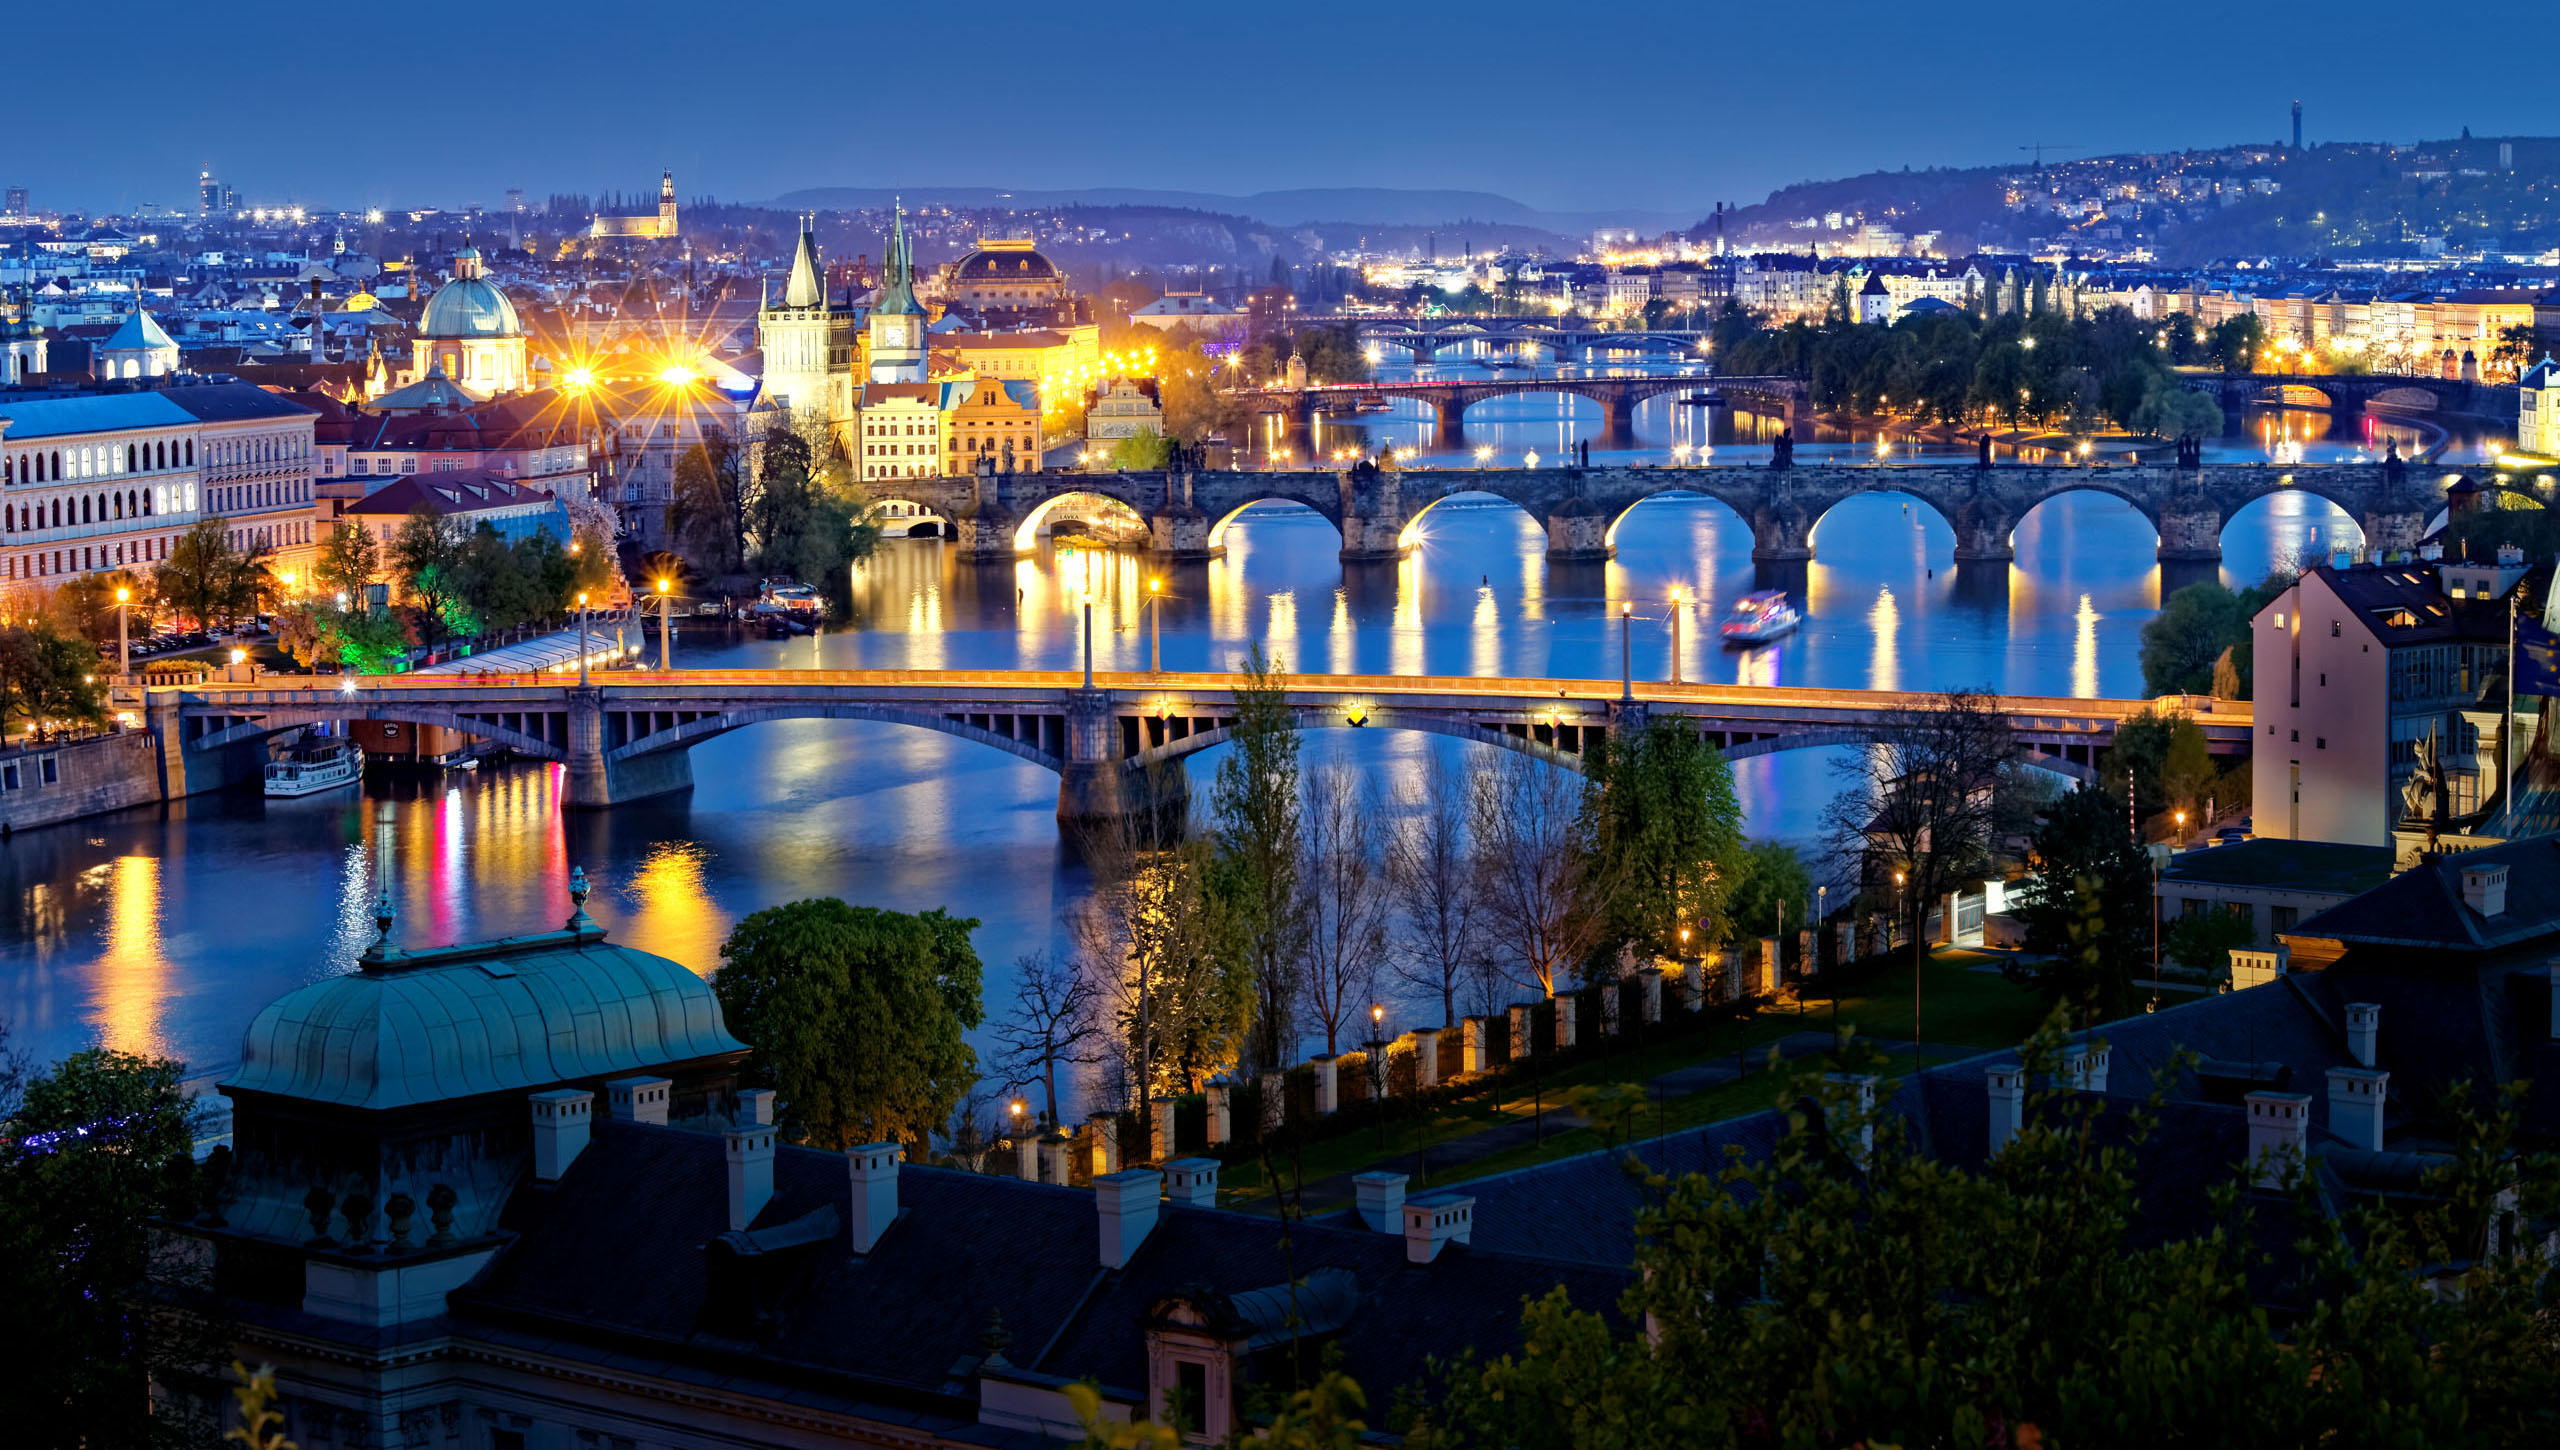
x=1352 y=205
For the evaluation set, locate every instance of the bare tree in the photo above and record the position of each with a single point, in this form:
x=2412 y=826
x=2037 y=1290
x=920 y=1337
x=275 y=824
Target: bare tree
x=1054 y=1019
x=1345 y=943
x=1432 y=872
x=1543 y=892
x=1158 y=950
x=1924 y=802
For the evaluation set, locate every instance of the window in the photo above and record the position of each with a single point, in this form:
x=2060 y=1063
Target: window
x=2320 y=742
x=9 y=776
x=2281 y=918
x=2333 y=629
x=45 y=770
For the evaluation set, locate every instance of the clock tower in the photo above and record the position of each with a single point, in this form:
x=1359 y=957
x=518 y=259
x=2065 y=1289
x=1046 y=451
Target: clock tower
x=896 y=326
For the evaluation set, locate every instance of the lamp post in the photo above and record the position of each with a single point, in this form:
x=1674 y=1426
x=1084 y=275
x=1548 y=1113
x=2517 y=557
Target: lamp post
x=1378 y=1063
x=1627 y=652
x=666 y=626
x=582 y=639
x=1155 y=626
x=124 y=648
x=1915 y=966
x=1679 y=599
x=1088 y=637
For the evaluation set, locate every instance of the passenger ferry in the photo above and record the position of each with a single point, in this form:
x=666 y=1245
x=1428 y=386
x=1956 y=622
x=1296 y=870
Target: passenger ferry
x=314 y=768
x=1759 y=617
x=784 y=595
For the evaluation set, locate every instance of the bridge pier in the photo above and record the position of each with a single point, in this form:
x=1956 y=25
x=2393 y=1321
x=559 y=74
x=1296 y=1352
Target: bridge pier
x=1578 y=533
x=1099 y=794
x=1622 y=417
x=1451 y=431
x=2389 y=531
x=594 y=780
x=2191 y=535
x=985 y=538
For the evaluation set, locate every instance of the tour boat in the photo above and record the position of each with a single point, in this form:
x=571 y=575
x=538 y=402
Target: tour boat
x=1760 y=617
x=313 y=768
x=782 y=595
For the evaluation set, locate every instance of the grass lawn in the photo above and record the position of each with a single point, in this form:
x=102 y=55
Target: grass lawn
x=1962 y=1011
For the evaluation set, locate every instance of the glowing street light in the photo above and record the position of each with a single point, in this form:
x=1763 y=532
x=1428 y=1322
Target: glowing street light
x=582 y=639
x=124 y=650
x=1155 y=626
x=1484 y=454
x=1529 y=459
x=666 y=629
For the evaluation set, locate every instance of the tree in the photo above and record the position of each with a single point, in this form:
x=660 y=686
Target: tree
x=2086 y=907
x=96 y=1147
x=1667 y=832
x=1771 y=884
x=799 y=522
x=1157 y=942
x=427 y=559
x=2183 y=642
x=855 y=1015
x=358 y=640
x=1054 y=1019
x=2168 y=759
x=347 y=560
x=2203 y=941
x=1432 y=872
x=200 y=577
x=1926 y=800
x=707 y=510
x=1260 y=843
x=85 y=604
x=49 y=677
x=1144 y=451
x=1344 y=947
x=1546 y=901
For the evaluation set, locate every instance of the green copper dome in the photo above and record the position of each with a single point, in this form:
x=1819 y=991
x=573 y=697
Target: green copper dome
x=469 y=307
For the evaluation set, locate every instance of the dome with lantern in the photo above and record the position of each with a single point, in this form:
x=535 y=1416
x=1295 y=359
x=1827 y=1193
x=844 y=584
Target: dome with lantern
x=469 y=306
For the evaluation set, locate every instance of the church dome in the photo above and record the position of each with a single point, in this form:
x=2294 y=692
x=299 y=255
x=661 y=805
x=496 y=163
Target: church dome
x=470 y=305
x=514 y=1015
x=993 y=263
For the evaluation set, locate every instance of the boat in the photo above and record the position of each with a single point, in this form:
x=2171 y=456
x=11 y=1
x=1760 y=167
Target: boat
x=785 y=595
x=315 y=767
x=1759 y=617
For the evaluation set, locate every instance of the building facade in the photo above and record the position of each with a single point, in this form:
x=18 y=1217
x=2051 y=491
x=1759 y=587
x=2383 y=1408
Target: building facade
x=808 y=343
x=660 y=227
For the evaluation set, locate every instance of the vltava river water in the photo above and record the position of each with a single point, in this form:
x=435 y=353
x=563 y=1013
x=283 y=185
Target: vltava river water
x=163 y=930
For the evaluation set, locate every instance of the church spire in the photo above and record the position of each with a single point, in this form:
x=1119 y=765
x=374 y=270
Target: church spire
x=808 y=285
x=897 y=288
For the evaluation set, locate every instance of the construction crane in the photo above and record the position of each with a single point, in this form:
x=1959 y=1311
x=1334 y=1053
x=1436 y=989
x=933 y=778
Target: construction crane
x=2041 y=147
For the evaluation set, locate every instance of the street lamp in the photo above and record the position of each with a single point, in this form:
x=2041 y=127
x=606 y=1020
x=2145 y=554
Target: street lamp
x=1913 y=911
x=1088 y=635
x=1155 y=626
x=666 y=629
x=582 y=639
x=1679 y=601
x=1627 y=652
x=124 y=648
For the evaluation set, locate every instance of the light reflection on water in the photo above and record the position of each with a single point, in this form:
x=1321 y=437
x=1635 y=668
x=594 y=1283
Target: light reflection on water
x=165 y=930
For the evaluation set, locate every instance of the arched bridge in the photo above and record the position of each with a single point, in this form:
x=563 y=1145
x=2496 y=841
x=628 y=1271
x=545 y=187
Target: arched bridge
x=1773 y=396
x=2351 y=394
x=1114 y=739
x=1185 y=514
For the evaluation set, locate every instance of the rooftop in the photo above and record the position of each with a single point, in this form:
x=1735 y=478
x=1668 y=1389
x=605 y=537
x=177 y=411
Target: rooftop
x=2323 y=867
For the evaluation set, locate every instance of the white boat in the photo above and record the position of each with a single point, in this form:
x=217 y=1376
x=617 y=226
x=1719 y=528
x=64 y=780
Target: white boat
x=313 y=768
x=1761 y=616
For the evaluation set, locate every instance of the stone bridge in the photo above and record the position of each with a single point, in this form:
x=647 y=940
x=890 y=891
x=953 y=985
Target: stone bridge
x=1771 y=396
x=996 y=515
x=1116 y=740
x=2349 y=396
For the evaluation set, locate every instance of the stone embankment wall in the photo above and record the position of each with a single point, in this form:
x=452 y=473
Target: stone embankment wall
x=40 y=785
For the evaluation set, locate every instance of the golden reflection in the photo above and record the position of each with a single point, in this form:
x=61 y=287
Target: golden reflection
x=1280 y=635
x=671 y=907
x=928 y=645
x=1404 y=638
x=130 y=989
x=1885 y=618
x=1341 y=649
x=2084 y=652
x=1484 y=635
x=1758 y=667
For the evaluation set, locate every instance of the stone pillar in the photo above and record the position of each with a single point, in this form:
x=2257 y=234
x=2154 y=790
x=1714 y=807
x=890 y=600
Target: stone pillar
x=1731 y=971
x=1565 y=1002
x=1848 y=944
x=1426 y=1058
x=1879 y=934
x=2389 y=532
x=1471 y=1044
x=1610 y=992
x=1650 y=982
x=1373 y=514
x=1693 y=984
x=1104 y=1143
x=1947 y=919
x=1160 y=1128
x=592 y=782
x=1808 y=952
x=1026 y=1158
x=1275 y=1102
x=985 y=537
x=2190 y=533
x=1180 y=536
x=1092 y=788
x=1221 y=1124
x=1524 y=1022
x=1578 y=533
x=1057 y=1160
x=1767 y=977
x=1328 y=1088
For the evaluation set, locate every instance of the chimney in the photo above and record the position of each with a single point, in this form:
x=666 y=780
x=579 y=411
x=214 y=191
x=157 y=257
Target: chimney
x=2356 y=1096
x=2364 y=1021
x=2279 y=1125
x=755 y=1107
x=750 y=1173
x=2484 y=888
x=1862 y=1097
x=875 y=1191
x=560 y=1122
x=1128 y=1202
x=2008 y=1089
x=2084 y=1067
x=638 y=1099
x=1192 y=1182
x=1433 y=1222
x=1380 y=1197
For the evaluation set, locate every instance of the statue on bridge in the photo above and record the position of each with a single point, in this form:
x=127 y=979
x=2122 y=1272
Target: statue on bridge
x=1983 y=460
x=2190 y=452
x=1782 y=454
x=2394 y=471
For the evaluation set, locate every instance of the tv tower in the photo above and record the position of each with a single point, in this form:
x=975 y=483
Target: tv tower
x=2297 y=125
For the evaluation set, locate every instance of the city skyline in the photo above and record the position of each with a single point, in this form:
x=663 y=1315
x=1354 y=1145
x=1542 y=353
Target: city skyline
x=1352 y=99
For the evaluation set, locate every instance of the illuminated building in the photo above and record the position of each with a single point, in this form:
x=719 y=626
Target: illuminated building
x=807 y=342
x=988 y=416
x=1003 y=274
x=470 y=333
x=661 y=227
x=138 y=349
x=2538 y=410
x=1123 y=408
x=899 y=434
x=896 y=324
x=1047 y=355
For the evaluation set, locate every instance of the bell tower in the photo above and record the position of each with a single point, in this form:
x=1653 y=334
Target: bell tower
x=897 y=324
x=667 y=203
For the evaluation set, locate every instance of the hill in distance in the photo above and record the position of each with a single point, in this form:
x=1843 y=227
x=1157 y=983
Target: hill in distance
x=1381 y=206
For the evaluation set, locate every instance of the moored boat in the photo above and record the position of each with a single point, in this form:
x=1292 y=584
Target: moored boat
x=315 y=767
x=1761 y=616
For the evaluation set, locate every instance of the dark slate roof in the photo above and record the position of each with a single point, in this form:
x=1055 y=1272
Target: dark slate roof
x=2422 y=907
x=2319 y=866
x=228 y=400
x=615 y=1253
x=2379 y=595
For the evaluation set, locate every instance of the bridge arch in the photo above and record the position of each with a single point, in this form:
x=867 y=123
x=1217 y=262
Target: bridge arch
x=2098 y=485
x=2296 y=395
x=1414 y=530
x=1554 y=742
x=694 y=732
x=2406 y=398
x=1077 y=503
x=1838 y=738
x=274 y=720
x=1678 y=495
x=1218 y=529
x=905 y=518
x=1882 y=491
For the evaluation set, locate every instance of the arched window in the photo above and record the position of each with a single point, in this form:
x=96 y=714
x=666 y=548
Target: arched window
x=191 y=453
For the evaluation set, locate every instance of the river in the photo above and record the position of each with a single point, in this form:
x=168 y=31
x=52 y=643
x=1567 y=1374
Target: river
x=163 y=930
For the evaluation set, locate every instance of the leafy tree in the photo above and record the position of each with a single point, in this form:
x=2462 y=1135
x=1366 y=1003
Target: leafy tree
x=2168 y=759
x=1141 y=452
x=1771 y=881
x=1667 y=831
x=855 y=1015
x=1260 y=841
x=2086 y=907
x=201 y=577
x=356 y=640
x=85 y=604
x=707 y=511
x=2183 y=645
x=2204 y=941
x=800 y=522
x=427 y=559
x=2236 y=342
x=97 y=1146
x=49 y=677
x=347 y=560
